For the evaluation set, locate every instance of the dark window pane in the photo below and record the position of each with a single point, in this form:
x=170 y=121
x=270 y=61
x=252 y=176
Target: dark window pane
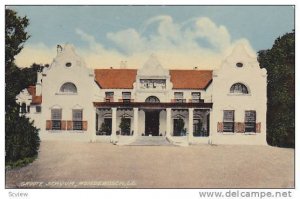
x=77 y=125
x=228 y=116
x=77 y=115
x=126 y=95
x=56 y=124
x=68 y=88
x=38 y=109
x=56 y=114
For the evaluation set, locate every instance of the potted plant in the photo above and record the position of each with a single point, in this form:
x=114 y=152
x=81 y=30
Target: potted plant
x=105 y=129
x=125 y=126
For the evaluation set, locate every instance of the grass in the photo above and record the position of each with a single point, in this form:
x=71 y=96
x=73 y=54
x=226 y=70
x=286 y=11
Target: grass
x=19 y=163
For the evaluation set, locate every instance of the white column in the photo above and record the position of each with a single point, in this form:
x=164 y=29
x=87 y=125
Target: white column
x=114 y=125
x=212 y=127
x=168 y=123
x=135 y=121
x=91 y=123
x=191 y=120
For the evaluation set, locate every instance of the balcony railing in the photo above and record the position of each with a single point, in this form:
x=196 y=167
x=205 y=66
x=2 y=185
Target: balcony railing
x=126 y=100
x=109 y=99
x=196 y=100
x=178 y=100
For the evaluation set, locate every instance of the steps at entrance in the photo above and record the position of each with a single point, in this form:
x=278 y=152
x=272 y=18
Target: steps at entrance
x=151 y=141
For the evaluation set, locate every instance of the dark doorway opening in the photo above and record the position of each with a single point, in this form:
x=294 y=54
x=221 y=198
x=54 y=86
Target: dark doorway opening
x=108 y=124
x=152 y=122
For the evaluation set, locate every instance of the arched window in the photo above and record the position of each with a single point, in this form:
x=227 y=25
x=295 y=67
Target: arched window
x=68 y=88
x=239 y=88
x=152 y=99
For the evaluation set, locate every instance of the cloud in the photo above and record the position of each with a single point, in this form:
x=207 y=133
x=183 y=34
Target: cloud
x=196 y=42
x=129 y=40
x=37 y=53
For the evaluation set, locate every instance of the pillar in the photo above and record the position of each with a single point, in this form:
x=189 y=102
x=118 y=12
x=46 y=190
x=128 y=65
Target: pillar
x=91 y=123
x=135 y=121
x=191 y=120
x=168 y=123
x=114 y=124
x=212 y=126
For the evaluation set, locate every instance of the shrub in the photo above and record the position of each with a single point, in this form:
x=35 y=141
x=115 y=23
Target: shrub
x=21 y=138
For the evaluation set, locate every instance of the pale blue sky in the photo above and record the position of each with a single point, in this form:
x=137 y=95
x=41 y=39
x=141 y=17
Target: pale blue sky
x=50 y=25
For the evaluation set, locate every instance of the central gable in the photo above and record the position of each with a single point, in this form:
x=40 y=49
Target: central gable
x=152 y=68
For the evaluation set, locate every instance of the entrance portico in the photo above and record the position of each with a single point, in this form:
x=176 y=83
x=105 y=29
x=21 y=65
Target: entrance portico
x=187 y=120
x=152 y=122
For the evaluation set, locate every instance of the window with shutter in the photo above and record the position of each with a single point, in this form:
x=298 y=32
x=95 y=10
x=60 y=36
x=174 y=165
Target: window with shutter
x=250 y=121
x=56 y=119
x=77 y=119
x=228 y=121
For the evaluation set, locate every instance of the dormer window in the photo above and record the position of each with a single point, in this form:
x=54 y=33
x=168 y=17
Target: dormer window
x=68 y=88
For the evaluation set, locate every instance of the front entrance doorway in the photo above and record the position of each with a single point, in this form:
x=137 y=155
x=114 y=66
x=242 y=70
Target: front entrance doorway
x=152 y=122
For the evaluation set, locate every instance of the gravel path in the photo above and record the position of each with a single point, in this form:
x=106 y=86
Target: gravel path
x=101 y=165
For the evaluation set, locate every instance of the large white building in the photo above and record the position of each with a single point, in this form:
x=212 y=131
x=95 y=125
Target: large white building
x=125 y=106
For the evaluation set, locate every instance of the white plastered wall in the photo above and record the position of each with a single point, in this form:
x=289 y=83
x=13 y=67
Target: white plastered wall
x=255 y=78
x=83 y=78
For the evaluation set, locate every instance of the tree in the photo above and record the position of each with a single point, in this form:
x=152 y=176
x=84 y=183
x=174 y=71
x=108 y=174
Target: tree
x=15 y=36
x=280 y=64
x=21 y=138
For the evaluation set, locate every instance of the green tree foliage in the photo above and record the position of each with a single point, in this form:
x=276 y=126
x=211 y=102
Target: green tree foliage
x=16 y=79
x=280 y=64
x=125 y=126
x=15 y=35
x=21 y=138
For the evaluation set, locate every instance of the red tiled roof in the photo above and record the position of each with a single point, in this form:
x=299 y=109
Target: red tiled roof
x=190 y=79
x=115 y=78
x=35 y=99
x=124 y=78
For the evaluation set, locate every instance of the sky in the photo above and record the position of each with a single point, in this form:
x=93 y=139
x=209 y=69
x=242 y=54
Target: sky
x=180 y=36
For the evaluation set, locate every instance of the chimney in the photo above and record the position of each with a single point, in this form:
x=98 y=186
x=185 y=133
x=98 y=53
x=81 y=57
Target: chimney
x=123 y=64
x=59 y=48
x=38 y=85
